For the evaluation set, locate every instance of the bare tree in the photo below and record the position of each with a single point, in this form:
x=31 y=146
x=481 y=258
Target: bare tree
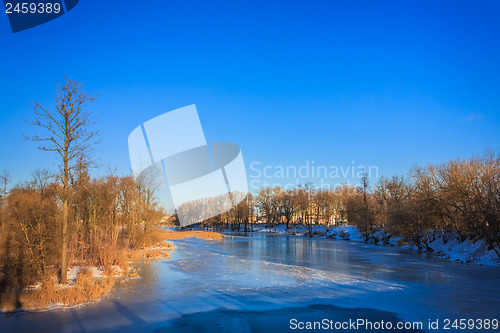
x=288 y=206
x=265 y=202
x=40 y=180
x=5 y=179
x=329 y=205
x=67 y=132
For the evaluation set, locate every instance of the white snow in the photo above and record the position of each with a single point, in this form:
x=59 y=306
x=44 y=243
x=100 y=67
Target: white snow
x=96 y=272
x=467 y=251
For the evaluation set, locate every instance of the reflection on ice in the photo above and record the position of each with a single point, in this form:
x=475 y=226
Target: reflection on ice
x=257 y=283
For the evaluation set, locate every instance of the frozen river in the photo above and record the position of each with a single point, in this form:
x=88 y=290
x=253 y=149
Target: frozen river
x=260 y=283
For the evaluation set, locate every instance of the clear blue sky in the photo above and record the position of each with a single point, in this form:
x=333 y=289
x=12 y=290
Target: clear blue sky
x=381 y=83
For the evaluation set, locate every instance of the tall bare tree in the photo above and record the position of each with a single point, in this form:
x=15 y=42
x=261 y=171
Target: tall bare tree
x=265 y=202
x=5 y=179
x=67 y=132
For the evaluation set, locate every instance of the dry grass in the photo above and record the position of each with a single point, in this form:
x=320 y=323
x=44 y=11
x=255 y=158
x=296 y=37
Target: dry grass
x=158 y=248
x=113 y=271
x=172 y=235
x=87 y=287
x=51 y=294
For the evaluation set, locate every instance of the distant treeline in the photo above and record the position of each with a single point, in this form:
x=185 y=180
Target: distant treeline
x=460 y=197
x=106 y=218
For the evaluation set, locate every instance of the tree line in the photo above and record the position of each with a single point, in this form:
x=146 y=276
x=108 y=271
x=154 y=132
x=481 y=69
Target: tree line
x=456 y=198
x=107 y=217
x=67 y=217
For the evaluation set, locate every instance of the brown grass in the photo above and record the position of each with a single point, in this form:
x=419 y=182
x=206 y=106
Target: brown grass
x=172 y=235
x=158 y=248
x=86 y=289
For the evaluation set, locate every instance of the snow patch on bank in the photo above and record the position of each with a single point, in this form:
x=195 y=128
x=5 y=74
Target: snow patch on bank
x=97 y=272
x=449 y=247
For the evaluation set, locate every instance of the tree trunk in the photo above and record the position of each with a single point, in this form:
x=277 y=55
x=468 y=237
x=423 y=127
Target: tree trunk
x=64 y=250
x=64 y=268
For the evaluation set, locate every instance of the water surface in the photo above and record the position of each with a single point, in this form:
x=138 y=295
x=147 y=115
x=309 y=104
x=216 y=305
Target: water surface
x=259 y=282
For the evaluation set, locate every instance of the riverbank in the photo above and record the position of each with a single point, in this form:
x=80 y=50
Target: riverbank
x=450 y=247
x=257 y=279
x=87 y=283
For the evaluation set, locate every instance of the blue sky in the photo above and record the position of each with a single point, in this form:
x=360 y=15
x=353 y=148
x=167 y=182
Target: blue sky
x=381 y=83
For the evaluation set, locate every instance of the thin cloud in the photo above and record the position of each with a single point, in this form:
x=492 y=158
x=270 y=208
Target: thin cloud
x=473 y=117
